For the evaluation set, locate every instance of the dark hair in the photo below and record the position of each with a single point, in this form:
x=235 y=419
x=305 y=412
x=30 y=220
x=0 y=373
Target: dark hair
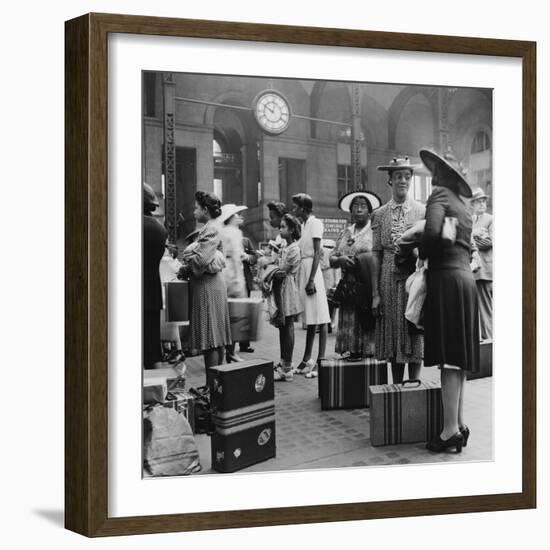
x=278 y=207
x=369 y=205
x=304 y=201
x=294 y=225
x=209 y=202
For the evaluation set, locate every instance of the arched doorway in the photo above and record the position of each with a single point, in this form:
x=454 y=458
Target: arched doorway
x=227 y=158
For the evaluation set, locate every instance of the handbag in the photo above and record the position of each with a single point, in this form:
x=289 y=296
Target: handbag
x=416 y=285
x=345 y=291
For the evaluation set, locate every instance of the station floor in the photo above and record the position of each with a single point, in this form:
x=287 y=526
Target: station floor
x=307 y=437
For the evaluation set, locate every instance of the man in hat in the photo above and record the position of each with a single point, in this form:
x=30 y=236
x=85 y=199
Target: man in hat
x=154 y=239
x=482 y=234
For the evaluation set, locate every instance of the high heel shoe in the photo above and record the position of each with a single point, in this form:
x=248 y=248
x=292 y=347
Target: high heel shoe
x=314 y=371
x=440 y=446
x=305 y=367
x=465 y=431
x=233 y=358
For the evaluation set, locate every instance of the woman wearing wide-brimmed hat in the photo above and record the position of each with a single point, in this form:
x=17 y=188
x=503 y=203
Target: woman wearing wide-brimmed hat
x=451 y=315
x=353 y=254
x=394 y=341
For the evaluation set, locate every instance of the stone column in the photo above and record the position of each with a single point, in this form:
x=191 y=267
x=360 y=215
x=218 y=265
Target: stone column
x=443 y=97
x=169 y=160
x=355 y=137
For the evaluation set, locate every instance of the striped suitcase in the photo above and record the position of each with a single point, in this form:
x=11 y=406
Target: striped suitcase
x=344 y=383
x=405 y=413
x=243 y=437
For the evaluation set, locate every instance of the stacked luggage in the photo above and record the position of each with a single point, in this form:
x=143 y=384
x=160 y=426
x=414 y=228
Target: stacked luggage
x=243 y=413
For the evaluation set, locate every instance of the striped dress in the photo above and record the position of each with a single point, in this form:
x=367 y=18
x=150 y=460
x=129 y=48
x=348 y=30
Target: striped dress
x=209 y=322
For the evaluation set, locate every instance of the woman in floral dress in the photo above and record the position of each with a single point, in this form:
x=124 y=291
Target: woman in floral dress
x=353 y=336
x=394 y=341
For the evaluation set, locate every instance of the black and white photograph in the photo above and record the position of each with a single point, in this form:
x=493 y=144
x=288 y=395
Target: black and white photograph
x=317 y=274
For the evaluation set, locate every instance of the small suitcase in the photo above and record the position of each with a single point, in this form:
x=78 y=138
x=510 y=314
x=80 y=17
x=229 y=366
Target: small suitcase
x=183 y=403
x=241 y=384
x=405 y=413
x=154 y=390
x=244 y=316
x=177 y=301
x=243 y=437
x=344 y=383
x=485 y=361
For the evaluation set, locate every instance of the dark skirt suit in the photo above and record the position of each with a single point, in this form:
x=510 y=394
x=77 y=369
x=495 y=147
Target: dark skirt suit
x=451 y=312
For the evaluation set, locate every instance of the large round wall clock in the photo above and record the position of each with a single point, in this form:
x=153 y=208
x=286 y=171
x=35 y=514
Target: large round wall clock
x=272 y=111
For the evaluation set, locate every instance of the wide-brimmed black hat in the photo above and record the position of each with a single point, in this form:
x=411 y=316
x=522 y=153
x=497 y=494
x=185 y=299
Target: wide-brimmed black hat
x=345 y=202
x=450 y=172
x=149 y=196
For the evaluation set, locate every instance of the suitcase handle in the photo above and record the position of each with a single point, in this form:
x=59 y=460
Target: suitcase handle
x=415 y=381
x=347 y=357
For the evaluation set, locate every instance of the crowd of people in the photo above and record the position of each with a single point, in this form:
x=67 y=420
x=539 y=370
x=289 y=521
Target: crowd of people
x=370 y=291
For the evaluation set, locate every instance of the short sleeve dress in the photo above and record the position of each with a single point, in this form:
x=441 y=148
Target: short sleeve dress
x=393 y=341
x=209 y=319
x=316 y=310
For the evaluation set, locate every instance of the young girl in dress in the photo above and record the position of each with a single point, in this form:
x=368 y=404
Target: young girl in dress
x=289 y=264
x=311 y=284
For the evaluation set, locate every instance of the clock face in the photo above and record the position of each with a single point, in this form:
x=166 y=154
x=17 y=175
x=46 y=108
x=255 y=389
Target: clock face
x=272 y=112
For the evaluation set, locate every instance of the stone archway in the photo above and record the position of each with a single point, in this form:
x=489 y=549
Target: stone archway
x=399 y=104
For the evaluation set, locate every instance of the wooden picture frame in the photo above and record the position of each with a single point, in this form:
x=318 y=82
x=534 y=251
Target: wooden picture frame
x=86 y=195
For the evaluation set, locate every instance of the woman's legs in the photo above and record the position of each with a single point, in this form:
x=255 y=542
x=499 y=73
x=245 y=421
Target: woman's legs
x=451 y=388
x=323 y=331
x=230 y=353
x=397 y=372
x=287 y=340
x=461 y=423
x=414 y=371
x=310 y=338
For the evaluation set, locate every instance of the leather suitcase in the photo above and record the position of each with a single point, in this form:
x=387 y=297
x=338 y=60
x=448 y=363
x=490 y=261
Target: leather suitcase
x=344 y=383
x=242 y=384
x=405 y=413
x=485 y=361
x=177 y=301
x=244 y=316
x=243 y=437
x=183 y=403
